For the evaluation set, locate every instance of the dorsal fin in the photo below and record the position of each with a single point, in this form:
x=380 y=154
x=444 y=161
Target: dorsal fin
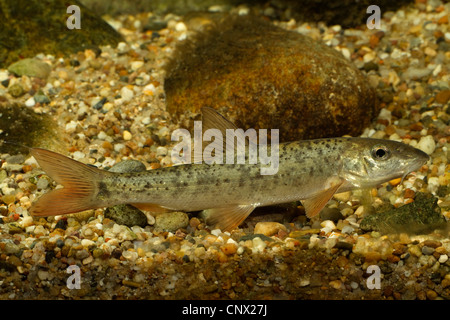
x=211 y=119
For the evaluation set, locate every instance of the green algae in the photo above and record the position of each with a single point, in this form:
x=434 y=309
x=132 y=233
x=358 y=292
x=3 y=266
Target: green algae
x=418 y=217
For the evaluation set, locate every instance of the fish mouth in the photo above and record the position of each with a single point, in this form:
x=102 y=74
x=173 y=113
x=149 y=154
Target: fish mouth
x=420 y=159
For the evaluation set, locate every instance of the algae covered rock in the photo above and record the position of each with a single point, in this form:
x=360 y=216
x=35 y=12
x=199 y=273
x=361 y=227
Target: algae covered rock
x=421 y=216
x=30 y=67
x=30 y=27
x=23 y=126
x=263 y=77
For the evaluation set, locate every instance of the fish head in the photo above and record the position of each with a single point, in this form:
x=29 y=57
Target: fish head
x=370 y=162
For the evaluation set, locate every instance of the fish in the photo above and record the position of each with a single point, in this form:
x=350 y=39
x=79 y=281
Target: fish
x=311 y=171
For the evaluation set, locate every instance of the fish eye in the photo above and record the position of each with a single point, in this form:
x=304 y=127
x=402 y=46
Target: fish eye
x=380 y=153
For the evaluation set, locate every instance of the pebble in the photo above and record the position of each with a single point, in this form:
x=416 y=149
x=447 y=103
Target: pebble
x=427 y=250
x=16 y=90
x=30 y=102
x=126 y=94
x=268 y=228
x=42 y=183
x=333 y=214
x=136 y=65
x=15 y=159
x=30 y=67
x=127 y=135
x=427 y=144
x=258 y=245
x=172 y=221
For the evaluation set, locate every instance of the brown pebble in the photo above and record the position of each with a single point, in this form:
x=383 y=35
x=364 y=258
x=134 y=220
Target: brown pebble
x=399 y=249
x=409 y=194
x=26 y=168
x=222 y=257
x=342 y=261
x=392 y=258
x=441 y=250
x=107 y=145
x=374 y=40
x=431 y=294
x=416 y=126
x=388 y=290
x=432 y=243
x=194 y=222
x=373 y=256
x=390 y=130
x=336 y=284
x=421 y=295
x=443 y=96
x=445 y=283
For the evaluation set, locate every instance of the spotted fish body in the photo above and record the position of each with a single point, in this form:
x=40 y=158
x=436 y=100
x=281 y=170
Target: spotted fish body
x=311 y=171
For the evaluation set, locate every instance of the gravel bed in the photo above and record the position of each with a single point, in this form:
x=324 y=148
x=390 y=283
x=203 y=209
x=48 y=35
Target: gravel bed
x=110 y=107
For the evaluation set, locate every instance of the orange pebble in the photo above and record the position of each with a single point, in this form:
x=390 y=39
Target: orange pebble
x=229 y=248
x=395 y=182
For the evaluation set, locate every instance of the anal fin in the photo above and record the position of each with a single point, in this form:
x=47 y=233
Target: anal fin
x=315 y=204
x=228 y=218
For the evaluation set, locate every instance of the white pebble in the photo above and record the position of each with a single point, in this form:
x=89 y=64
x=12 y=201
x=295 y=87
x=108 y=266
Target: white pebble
x=126 y=94
x=30 y=102
x=122 y=47
x=385 y=114
x=150 y=87
x=77 y=155
x=136 y=65
x=102 y=135
x=258 y=245
x=42 y=183
x=161 y=151
x=433 y=184
x=180 y=27
x=71 y=126
x=443 y=258
x=347 y=229
x=3 y=75
x=146 y=120
x=118 y=147
x=327 y=226
x=87 y=242
x=427 y=144
x=130 y=255
x=26 y=222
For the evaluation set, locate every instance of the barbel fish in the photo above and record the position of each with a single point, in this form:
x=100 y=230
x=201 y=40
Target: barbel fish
x=311 y=171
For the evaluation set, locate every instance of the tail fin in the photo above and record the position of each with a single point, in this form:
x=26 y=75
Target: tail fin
x=79 y=181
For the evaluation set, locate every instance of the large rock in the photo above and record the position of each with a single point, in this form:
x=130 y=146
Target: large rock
x=24 y=127
x=29 y=27
x=418 y=217
x=262 y=76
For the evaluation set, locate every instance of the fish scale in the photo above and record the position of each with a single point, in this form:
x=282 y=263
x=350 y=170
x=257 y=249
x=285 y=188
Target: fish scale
x=311 y=171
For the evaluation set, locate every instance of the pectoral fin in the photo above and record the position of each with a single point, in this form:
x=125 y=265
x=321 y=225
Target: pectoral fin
x=315 y=204
x=228 y=218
